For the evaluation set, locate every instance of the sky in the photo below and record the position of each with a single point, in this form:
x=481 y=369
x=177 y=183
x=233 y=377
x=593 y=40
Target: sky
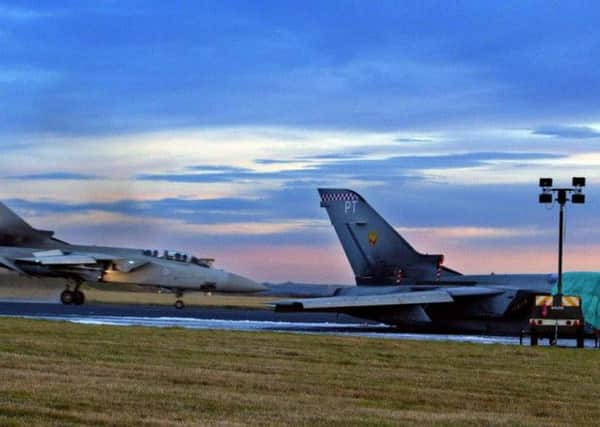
x=207 y=127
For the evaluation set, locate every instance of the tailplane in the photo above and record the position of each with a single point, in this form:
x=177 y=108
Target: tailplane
x=377 y=253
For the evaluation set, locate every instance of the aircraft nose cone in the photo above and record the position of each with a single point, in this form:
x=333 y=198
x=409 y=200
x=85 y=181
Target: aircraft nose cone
x=239 y=283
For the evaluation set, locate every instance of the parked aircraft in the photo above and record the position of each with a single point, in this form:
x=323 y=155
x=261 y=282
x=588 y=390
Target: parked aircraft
x=399 y=286
x=33 y=252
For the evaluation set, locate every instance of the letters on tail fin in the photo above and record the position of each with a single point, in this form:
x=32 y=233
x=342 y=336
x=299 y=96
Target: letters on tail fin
x=14 y=231
x=377 y=253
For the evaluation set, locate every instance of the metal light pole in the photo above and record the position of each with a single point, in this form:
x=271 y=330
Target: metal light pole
x=547 y=196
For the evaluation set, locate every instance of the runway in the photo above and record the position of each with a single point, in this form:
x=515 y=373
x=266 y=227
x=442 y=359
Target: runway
x=233 y=319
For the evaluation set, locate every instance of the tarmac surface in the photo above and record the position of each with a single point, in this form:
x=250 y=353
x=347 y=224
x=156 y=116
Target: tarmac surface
x=232 y=319
x=42 y=309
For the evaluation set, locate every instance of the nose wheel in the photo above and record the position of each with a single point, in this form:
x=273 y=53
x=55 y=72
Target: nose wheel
x=179 y=303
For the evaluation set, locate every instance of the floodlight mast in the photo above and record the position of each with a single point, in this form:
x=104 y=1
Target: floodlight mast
x=546 y=196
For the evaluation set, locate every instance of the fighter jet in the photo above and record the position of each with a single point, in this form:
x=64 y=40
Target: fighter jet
x=38 y=253
x=397 y=285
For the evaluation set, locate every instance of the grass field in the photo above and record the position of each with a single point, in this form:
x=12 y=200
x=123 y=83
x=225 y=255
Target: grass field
x=55 y=373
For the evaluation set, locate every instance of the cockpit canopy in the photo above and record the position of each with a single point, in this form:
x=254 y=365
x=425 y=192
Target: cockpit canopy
x=179 y=257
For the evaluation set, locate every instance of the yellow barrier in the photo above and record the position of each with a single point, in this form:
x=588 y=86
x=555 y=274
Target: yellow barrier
x=567 y=300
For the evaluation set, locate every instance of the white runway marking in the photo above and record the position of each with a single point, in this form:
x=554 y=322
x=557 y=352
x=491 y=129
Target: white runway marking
x=341 y=329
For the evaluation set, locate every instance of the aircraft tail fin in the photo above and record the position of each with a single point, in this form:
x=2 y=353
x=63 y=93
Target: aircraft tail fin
x=377 y=253
x=15 y=231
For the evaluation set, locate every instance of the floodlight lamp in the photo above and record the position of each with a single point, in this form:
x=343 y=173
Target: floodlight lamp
x=545 y=182
x=546 y=198
x=578 y=181
x=578 y=198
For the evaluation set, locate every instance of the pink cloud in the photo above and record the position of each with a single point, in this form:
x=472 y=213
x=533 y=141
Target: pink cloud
x=287 y=263
x=524 y=259
x=329 y=264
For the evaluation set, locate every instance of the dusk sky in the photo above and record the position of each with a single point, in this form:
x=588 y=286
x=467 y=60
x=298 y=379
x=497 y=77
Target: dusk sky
x=208 y=126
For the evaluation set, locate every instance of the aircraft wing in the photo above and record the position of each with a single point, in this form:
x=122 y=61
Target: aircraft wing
x=58 y=258
x=73 y=259
x=414 y=298
x=10 y=265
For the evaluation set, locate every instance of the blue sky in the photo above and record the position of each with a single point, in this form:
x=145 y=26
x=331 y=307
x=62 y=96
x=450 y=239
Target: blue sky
x=208 y=126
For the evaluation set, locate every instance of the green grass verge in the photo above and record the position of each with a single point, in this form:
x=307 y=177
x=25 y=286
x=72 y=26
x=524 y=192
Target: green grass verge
x=56 y=373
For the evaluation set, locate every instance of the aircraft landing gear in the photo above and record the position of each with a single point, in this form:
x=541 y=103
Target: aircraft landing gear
x=179 y=303
x=66 y=297
x=533 y=338
x=79 y=298
x=74 y=296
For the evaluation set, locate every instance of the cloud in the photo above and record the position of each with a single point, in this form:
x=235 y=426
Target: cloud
x=470 y=233
x=279 y=205
x=174 y=225
x=347 y=166
x=570 y=132
x=210 y=211
x=209 y=173
x=339 y=156
x=150 y=227
x=463 y=223
x=217 y=169
x=415 y=140
x=528 y=258
x=437 y=128
x=55 y=176
x=274 y=161
x=194 y=177
x=427 y=73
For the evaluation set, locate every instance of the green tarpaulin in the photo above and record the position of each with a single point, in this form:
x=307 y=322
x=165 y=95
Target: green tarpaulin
x=587 y=286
